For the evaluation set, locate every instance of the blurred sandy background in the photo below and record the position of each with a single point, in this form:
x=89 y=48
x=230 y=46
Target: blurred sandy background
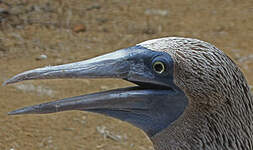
x=36 y=33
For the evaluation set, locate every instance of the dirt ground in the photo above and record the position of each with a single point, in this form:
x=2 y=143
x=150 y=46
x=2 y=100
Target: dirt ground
x=36 y=33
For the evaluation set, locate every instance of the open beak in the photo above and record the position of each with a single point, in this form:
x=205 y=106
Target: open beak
x=136 y=105
x=127 y=64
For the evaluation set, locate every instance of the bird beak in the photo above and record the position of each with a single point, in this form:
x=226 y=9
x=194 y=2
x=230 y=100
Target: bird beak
x=127 y=64
x=112 y=65
x=135 y=104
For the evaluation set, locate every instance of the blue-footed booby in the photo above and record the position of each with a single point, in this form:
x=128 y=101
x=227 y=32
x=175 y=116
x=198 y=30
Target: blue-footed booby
x=189 y=95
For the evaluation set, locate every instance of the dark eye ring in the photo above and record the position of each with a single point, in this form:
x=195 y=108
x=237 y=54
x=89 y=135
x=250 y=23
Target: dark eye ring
x=159 y=67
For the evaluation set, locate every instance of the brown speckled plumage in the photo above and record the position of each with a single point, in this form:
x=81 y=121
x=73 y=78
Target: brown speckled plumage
x=219 y=114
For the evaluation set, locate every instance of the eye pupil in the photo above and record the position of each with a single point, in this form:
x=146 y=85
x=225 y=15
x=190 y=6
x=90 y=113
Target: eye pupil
x=159 y=67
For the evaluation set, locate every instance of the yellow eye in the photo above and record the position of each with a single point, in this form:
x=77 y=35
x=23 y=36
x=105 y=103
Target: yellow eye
x=159 y=67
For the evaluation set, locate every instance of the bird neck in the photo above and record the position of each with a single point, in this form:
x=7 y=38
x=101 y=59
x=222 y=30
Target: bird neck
x=224 y=127
x=180 y=133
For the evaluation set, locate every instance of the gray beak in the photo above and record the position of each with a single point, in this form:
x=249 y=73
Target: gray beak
x=144 y=105
x=112 y=65
x=127 y=64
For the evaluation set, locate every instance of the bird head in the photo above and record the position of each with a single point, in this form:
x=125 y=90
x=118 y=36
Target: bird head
x=170 y=74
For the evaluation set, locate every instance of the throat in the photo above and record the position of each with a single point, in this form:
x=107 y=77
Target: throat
x=179 y=135
x=206 y=130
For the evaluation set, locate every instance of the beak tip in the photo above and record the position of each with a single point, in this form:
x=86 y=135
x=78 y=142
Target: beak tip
x=6 y=82
x=10 y=81
x=13 y=113
x=19 y=77
x=25 y=110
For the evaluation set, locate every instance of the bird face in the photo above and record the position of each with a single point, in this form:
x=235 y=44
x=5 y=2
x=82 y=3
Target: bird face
x=152 y=105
